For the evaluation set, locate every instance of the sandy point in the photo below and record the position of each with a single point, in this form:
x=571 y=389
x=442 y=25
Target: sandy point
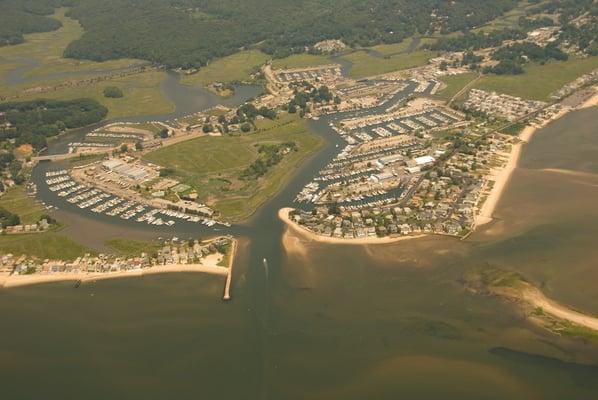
x=305 y=233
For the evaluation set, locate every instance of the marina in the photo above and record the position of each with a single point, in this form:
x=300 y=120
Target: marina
x=99 y=202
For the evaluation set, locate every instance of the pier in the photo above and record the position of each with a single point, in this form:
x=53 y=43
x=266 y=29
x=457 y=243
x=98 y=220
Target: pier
x=229 y=276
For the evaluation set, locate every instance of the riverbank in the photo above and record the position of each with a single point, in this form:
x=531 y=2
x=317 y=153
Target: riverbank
x=283 y=214
x=501 y=177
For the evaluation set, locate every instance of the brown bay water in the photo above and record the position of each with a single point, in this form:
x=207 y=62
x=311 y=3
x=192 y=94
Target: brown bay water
x=316 y=321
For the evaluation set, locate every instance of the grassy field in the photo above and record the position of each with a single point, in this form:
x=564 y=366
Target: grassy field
x=213 y=164
x=539 y=81
x=142 y=91
x=16 y=201
x=454 y=83
x=367 y=65
x=300 y=61
x=49 y=245
x=127 y=247
x=236 y=67
x=142 y=95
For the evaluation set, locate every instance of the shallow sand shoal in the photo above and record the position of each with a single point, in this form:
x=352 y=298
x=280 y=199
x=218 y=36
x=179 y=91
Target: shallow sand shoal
x=283 y=214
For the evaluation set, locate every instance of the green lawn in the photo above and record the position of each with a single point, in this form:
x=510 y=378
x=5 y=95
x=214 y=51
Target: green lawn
x=236 y=67
x=16 y=201
x=539 y=81
x=130 y=248
x=454 y=83
x=300 y=61
x=213 y=164
x=49 y=245
x=367 y=65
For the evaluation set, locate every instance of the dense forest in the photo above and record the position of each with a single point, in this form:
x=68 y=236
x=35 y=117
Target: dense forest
x=18 y=17
x=190 y=33
x=33 y=121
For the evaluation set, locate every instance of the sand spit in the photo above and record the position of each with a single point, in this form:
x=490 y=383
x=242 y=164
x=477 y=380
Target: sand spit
x=537 y=299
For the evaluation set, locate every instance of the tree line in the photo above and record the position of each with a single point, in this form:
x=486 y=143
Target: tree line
x=19 y=17
x=33 y=121
x=190 y=33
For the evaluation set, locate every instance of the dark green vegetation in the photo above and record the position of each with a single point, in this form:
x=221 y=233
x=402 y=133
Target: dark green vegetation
x=304 y=93
x=113 y=92
x=269 y=155
x=512 y=57
x=190 y=33
x=476 y=41
x=577 y=19
x=33 y=121
x=18 y=17
x=8 y=219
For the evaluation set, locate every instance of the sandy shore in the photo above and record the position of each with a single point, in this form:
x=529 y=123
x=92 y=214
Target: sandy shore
x=283 y=214
x=209 y=266
x=537 y=299
x=502 y=176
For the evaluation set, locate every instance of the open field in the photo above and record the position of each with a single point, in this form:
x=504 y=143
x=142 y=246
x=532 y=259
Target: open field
x=539 y=81
x=49 y=245
x=213 y=165
x=142 y=95
x=130 y=248
x=300 y=61
x=454 y=83
x=236 y=67
x=16 y=201
x=367 y=65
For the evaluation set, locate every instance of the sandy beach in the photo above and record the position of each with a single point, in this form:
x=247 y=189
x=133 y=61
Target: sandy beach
x=208 y=266
x=537 y=299
x=283 y=214
x=502 y=176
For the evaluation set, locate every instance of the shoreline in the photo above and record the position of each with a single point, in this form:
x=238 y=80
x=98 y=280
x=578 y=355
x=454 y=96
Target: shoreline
x=283 y=214
x=13 y=281
x=209 y=266
x=485 y=214
x=503 y=176
x=537 y=299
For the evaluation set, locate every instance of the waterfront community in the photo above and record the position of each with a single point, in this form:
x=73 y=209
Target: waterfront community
x=210 y=199
x=407 y=162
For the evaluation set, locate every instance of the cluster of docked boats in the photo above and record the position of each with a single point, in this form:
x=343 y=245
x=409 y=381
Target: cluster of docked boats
x=100 y=202
x=308 y=192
